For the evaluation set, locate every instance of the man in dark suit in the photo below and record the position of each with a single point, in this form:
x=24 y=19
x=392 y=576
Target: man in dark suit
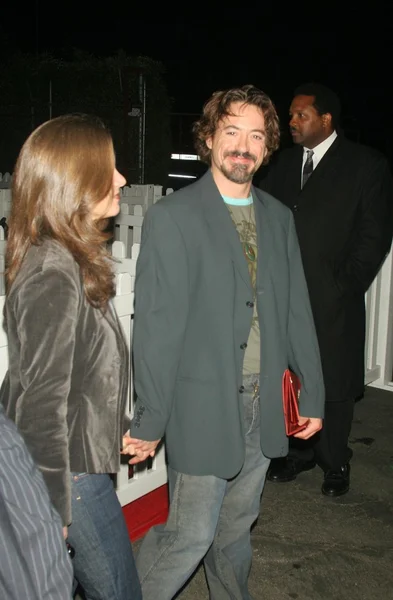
x=221 y=310
x=341 y=196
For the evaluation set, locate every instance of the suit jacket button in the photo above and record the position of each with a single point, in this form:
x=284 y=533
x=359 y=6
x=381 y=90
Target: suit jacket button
x=295 y=208
x=243 y=346
x=241 y=389
x=250 y=304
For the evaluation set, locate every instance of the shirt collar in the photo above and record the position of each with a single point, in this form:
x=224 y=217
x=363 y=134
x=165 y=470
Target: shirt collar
x=322 y=148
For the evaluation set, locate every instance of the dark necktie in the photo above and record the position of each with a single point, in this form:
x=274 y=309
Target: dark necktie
x=308 y=167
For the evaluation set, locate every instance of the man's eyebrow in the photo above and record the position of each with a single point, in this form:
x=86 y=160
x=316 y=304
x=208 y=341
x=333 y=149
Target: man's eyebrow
x=261 y=131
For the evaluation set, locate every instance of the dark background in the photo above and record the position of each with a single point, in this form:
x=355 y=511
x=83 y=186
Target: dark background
x=211 y=46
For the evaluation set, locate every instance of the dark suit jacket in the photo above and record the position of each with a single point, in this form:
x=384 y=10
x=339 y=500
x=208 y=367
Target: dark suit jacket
x=66 y=387
x=192 y=316
x=344 y=223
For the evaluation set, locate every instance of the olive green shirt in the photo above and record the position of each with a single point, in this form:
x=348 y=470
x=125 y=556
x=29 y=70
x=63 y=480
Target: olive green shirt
x=243 y=217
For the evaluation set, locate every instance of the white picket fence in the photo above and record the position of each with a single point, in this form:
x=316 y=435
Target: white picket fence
x=141 y=479
x=135 y=200
x=379 y=328
x=132 y=484
x=5 y=180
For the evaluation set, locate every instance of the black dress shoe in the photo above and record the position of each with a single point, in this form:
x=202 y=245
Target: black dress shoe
x=286 y=469
x=336 y=483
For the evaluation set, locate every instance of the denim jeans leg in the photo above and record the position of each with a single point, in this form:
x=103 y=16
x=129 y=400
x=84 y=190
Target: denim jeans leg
x=103 y=562
x=228 y=562
x=170 y=553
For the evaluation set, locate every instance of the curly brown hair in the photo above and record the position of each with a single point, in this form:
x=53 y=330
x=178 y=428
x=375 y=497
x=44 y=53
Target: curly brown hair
x=219 y=106
x=64 y=168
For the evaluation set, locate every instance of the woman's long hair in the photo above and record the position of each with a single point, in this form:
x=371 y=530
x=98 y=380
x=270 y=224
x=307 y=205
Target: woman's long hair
x=64 y=168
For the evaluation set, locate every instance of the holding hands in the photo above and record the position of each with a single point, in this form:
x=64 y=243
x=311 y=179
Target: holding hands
x=139 y=449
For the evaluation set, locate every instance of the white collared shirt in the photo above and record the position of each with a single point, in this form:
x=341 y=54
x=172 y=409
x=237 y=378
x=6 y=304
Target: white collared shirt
x=319 y=151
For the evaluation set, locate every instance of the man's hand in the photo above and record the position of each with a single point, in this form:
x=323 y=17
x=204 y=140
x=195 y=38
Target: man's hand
x=313 y=425
x=140 y=449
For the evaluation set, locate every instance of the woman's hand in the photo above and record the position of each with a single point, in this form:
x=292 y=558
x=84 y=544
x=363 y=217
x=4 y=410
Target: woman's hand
x=139 y=449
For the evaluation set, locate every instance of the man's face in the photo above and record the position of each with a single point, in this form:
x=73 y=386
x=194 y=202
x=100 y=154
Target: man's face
x=307 y=127
x=238 y=145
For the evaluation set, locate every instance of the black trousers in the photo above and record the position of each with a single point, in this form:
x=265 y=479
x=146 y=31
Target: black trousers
x=329 y=447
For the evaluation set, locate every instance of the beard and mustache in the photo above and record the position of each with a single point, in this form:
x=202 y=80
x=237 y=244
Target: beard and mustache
x=239 y=173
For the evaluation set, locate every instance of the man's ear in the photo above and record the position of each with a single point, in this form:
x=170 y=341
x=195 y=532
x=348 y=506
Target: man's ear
x=327 y=120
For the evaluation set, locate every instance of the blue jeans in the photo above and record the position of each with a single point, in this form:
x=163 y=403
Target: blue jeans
x=103 y=563
x=209 y=519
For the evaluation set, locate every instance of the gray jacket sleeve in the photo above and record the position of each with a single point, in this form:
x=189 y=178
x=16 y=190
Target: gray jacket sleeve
x=161 y=310
x=303 y=351
x=46 y=310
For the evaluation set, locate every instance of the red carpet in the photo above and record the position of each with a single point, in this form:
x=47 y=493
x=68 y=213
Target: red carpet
x=151 y=509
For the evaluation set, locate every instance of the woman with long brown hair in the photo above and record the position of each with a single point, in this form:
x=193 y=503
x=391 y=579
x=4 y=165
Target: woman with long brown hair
x=66 y=387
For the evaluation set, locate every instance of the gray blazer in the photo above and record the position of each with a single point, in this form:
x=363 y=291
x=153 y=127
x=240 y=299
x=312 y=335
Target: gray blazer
x=66 y=387
x=192 y=316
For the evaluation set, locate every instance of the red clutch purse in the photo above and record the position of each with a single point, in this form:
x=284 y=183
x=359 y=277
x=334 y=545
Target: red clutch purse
x=290 y=397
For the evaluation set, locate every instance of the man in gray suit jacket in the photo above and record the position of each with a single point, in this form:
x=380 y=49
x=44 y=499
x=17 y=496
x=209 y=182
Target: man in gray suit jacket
x=221 y=310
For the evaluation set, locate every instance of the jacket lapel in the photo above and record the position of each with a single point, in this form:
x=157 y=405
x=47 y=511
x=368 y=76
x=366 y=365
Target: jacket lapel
x=264 y=233
x=111 y=317
x=294 y=176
